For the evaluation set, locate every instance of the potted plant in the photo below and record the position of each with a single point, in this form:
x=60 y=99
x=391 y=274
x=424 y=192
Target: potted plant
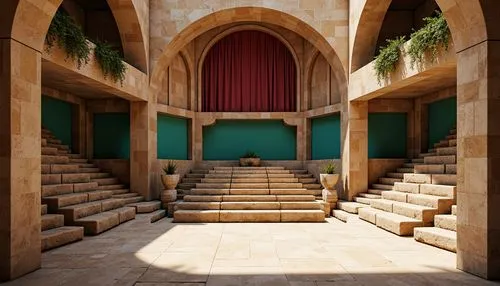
x=250 y=159
x=328 y=177
x=169 y=180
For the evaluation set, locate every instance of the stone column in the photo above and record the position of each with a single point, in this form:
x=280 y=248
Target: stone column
x=143 y=148
x=478 y=178
x=355 y=150
x=20 y=140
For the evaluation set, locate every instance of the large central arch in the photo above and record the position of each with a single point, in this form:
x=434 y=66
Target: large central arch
x=246 y=14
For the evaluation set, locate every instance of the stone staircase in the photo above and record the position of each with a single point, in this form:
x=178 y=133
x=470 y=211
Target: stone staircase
x=250 y=194
x=79 y=198
x=416 y=196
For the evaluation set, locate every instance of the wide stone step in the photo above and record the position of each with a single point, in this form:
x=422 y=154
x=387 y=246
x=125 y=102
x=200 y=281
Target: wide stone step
x=298 y=191
x=395 y=196
x=298 y=171
x=442 y=238
x=111 y=187
x=363 y=200
x=125 y=195
x=405 y=170
x=74 y=156
x=438 y=190
x=54 y=203
x=369 y=196
x=249 y=185
x=132 y=200
x=85 y=187
x=285 y=186
x=106 y=181
x=312 y=186
x=74 y=212
x=452 y=142
x=111 y=204
x=194 y=216
x=50 y=221
x=302 y=176
x=395 y=175
x=278 y=180
x=446 y=221
x=418 y=178
x=375 y=192
x=98 y=175
x=307 y=180
x=157 y=215
x=51 y=179
x=442 y=204
x=294 y=198
x=443 y=151
x=146 y=207
x=98 y=223
x=450 y=159
x=49 y=151
x=209 y=191
x=314 y=205
x=89 y=170
x=262 y=180
x=60 y=168
x=197 y=206
x=382 y=186
x=369 y=214
x=60 y=236
x=430 y=169
x=202 y=198
x=205 y=216
x=75 y=178
x=252 y=191
x=389 y=181
x=55 y=190
x=214 y=186
x=120 y=191
x=52 y=140
x=407 y=187
x=442 y=143
x=418 y=161
x=250 y=206
x=423 y=155
x=199 y=180
x=396 y=223
x=421 y=213
x=249 y=198
x=350 y=207
x=198 y=176
x=79 y=160
x=58 y=146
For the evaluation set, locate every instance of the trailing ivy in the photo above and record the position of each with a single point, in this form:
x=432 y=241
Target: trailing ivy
x=430 y=38
x=387 y=58
x=110 y=61
x=69 y=36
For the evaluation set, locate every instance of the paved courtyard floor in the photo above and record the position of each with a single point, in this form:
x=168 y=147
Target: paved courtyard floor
x=305 y=254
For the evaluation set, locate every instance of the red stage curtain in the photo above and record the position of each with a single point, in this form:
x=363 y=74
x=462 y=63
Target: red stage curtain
x=249 y=71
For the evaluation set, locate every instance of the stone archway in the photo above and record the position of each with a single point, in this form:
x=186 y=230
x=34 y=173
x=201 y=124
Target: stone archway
x=475 y=36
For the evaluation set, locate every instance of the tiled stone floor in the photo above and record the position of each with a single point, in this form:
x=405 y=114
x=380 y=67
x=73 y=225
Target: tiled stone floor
x=305 y=254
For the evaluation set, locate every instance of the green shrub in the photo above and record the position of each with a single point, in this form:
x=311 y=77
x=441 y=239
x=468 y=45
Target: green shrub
x=170 y=168
x=430 y=38
x=110 y=61
x=329 y=168
x=69 y=36
x=250 y=154
x=385 y=62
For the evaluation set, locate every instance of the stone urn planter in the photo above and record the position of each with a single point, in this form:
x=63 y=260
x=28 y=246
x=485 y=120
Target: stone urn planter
x=168 y=196
x=250 y=159
x=328 y=181
x=170 y=181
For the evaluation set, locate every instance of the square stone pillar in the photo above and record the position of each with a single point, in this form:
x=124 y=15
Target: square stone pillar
x=143 y=149
x=20 y=155
x=355 y=150
x=478 y=170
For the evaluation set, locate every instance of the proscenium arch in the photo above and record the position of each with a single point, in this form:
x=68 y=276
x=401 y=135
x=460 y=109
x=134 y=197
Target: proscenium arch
x=239 y=15
x=466 y=20
x=32 y=33
x=248 y=27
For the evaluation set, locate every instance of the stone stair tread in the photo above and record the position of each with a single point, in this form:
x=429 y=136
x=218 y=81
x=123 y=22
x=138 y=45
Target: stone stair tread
x=342 y=215
x=60 y=236
x=125 y=195
x=382 y=186
x=429 y=200
x=446 y=221
x=136 y=199
x=202 y=198
x=156 y=215
x=146 y=207
x=442 y=238
x=98 y=223
x=370 y=196
x=375 y=192
x=350 y=207
x=64 y=200
x=363 y=200
x=398 y=224
x=50 y=221
x=111 y=187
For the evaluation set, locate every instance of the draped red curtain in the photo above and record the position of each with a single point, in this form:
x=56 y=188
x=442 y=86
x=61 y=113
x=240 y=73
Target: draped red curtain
x=249 y=71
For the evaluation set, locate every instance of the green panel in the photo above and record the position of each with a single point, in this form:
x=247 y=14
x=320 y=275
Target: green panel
x=111 y=136
x=325 y=137
x=442 y=118
x=57 y=117
x=229 y=139
x=387 y=135
x=172 y=138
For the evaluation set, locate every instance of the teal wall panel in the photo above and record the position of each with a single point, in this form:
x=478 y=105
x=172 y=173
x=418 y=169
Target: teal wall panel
x=172 y=137
x=387 y=135
x=57 y=117
x=442 y=118
x=229 y=139
x=111 y=136
x=325 y=137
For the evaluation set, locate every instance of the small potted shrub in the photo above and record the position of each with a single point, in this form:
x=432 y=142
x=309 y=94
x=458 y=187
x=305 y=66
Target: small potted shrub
x=169 y=180
x=328 y=177
x=250 y=159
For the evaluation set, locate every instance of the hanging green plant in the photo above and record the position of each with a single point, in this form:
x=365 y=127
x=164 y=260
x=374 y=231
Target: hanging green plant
x=430 y=38
x=110 y=61
x=388 y=56
x=69 y=36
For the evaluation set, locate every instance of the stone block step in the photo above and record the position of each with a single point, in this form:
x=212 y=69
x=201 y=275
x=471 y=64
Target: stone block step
x=205 y=198
x=369 y=196
x=284 y=186
x=442 y=204
x=369 y=214
x=249 y=216
x=63 y=152
x=395 y=223
x=442 y=143
x=442 y=238
x=314 y=205
x=444 y=221
x=250 y=185
x=55 y=190
x=193 y=216
x=312 y=186
x=250 y=206
x=186 y=186
x=157 y=215
x=389 y=181
x=75 y=178
x=454 y=210
x=50 y=221
x=438 y=190
x=295 y=198
x=249 y=198
x=120 y=191
x=85 y=187
x=450 y=159
x=74 y=156
x=363 y=200
x=444 y=179
x=198 y=206
x=99 y=195
x=452 y=142
x=341 y=215
x=395 y=175
x=272 y=171
x=49 y=151
x=451 y=169
x=395 y=196
x=198 y=176
x=443 y=151
x=430 y=169
x=132 y=200
x=125 y=195
x=79 y=160
x=418 y=161
x=58 y=146
x=43 y=209
x=297 y=191
x=409 y=165
x=302 y=176
x=106 y=181
x=350 y=207
x=210 y=191
x=74 y=212
x=146 y=207
x=124 y=213
x=382 y=186
x=214 y=185
x=407 y=188
x=375 y=192
x=111 y=187
x=298 y=171
x=98 y=175
x=198 y=180
x=111 y=204
x=307 y=180
x=199 y=171
x=60 y=236
x=421 y=213
x=302 y=216
x=418 y=178
x=52 y=140
x=54 y=203
x=252 y=191
x=89 y=170
x=98 y=223
x=405 y=170
x=51 y=179
x=61 y=168
x=289 y=180
x=423 y=155
x=262 y=180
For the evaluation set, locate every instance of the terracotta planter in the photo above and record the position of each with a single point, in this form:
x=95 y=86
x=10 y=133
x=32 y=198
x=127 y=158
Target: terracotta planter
x=170 y=181
x=168 y=196
x=328 y=181
x=249 y=162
